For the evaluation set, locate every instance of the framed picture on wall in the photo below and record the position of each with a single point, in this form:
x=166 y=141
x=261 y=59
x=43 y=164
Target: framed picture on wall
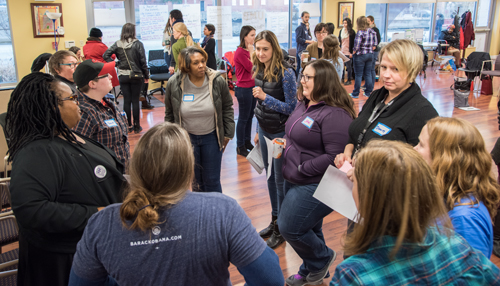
x=346 y=10
x=43 y=27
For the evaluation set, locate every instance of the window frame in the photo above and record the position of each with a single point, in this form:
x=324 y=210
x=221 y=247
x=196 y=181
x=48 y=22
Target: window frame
x=10 y=85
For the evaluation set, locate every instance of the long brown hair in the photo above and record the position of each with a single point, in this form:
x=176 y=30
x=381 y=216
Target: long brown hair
x=128 y=32
x=167 y=26
x=161 y=172
x=398 y=196
x=361 y=23
x=327 y=87
x=276 y=61
x=331 y=46
x=461 y=163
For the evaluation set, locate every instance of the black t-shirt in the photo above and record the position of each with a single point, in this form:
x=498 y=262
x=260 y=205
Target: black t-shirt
x=320 y=53
x=402 y=121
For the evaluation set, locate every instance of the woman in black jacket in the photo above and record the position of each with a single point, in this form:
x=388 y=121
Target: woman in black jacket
x=208 y=45
x=59 y=178
x=346 y=39
x=132 y=72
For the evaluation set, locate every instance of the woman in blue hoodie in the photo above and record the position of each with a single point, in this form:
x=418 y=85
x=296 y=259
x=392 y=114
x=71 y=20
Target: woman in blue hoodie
x=315 y=133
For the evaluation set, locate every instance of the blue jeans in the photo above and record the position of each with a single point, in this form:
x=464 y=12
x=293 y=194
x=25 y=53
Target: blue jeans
x=275 y=182
x=208 y=160
x=246 y=106
x=375 y=59
x=363 y=66
x=168 y=58
x=348 y=73
x=300 y=222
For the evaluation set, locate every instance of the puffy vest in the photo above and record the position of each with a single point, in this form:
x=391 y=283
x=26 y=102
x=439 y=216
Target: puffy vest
x=269 y=120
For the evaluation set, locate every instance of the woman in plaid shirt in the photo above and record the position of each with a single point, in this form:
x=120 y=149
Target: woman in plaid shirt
x=405 y=237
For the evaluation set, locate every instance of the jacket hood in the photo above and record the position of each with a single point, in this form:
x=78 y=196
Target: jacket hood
x=212 y=75
x=125 y=45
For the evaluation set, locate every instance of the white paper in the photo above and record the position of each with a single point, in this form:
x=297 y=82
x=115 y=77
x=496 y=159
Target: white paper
x=254 y=18
x=153 y=20
x=335 y=191
x=218 y=15
x=346 y=167
x=191 y=17
x=270 y=148
x=262 y=2
x=312 y=8
x=255 y=158
x=278 y=23
x=470 y=108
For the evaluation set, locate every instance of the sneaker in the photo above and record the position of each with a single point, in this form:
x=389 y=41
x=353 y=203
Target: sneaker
x=348 y=82
x=363 y=87
x=248 y=145
x=299 y=280
x=353 y=96
x=242 y=151
x=313 y=277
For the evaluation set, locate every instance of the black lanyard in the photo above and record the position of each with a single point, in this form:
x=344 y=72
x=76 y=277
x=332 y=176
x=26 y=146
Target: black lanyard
x=375 y=114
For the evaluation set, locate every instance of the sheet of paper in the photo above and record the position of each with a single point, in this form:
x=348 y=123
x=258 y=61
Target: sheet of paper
x=153 y=21
x=278 y=23
x=254 y=18
x=255 y=158
x=270 y=148
x=346 y=167
x=191 y=15
x=218 y=15
x=335 y=191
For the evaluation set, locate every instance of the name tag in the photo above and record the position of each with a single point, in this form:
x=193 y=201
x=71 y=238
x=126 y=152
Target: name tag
x=381 y=129
x=111 y=123
x=188 y=97
x=308 y=122
x=124 y=114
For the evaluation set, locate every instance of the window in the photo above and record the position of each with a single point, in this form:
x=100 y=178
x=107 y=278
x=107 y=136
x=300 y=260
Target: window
x=379 y=13
x=404 y=16
x=446 y=11
x=110 y=18
x=7 y=61
x=483 y=9
x=309 y=6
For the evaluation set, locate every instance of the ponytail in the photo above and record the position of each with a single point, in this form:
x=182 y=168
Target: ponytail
x=140 y=210
x=189 y=40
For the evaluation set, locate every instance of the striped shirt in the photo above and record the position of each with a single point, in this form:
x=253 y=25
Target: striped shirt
x=104 y=124
x=365 y=41
x=438 y=260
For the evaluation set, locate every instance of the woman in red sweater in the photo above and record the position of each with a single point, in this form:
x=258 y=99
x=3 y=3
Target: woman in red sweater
x=95 y=48
x=243 y=90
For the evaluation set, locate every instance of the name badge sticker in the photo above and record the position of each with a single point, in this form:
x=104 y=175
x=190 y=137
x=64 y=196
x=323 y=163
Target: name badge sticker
x=188 y=98
x=381 y=129
x=308 y=122
x=111 y=123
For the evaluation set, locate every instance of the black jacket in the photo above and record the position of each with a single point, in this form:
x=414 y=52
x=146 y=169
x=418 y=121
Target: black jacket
x=352 y=36
x=405 y=117
x=475 y=61
x=56 y=187
x=269 y=120
x=135 y=53
x=210 y=49
x=451 y=38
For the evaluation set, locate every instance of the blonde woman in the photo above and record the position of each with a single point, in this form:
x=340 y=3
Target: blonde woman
x=169 y=235
x=184 y=40
x=456 y=152
x=405 y=237
x=276 y=93
x=331 y=46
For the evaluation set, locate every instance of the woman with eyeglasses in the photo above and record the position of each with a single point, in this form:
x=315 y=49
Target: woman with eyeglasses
x=133 y=73
x=316 y=48
x=316 y=132
x=275 y=90
x=62 y=65
x=59 y=178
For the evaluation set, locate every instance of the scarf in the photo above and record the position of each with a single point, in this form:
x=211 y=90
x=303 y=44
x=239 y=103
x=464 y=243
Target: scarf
x=205 y=40
x=344 y=34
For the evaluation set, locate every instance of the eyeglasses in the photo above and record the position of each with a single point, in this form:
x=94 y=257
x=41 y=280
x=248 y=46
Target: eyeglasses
x=305 y=77
x=73 y=97
x=323 y=33
x=70 y=65
x=102 y=76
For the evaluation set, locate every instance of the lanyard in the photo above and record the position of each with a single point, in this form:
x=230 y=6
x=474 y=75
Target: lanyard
x=375 y=114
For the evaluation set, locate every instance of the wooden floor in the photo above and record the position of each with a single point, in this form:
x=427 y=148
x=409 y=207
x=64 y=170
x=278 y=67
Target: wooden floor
x=244 y=184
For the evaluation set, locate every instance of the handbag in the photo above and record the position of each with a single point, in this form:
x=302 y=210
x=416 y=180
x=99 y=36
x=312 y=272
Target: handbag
x=132 y=74
x=486 y=86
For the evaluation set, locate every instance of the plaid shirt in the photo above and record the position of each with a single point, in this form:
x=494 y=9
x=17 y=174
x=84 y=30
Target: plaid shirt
x=438 y=260
x=365 y=41
x=93 y=125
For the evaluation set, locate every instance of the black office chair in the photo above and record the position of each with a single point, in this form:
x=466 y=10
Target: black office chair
x=158 y=71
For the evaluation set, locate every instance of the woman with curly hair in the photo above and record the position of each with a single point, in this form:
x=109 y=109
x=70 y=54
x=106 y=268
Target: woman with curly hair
x=456 y=152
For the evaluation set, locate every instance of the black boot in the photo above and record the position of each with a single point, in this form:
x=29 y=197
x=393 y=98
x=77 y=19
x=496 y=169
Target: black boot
x=137 y=127
x=248 y=145
x=147 y=105
x=268 y=231
x=276 y=238
x=242 y=151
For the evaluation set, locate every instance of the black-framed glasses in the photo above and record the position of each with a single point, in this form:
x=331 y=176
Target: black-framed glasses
x=73 y=97
x=305 y=77
x=70 y=65
x=102 y=76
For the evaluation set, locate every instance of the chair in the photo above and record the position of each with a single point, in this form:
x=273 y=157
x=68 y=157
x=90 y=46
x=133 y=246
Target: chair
x=473 y=65
x=8 y=267
x=292 y=54
x=158 y=70
x=230 y=68
x=492 y=73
